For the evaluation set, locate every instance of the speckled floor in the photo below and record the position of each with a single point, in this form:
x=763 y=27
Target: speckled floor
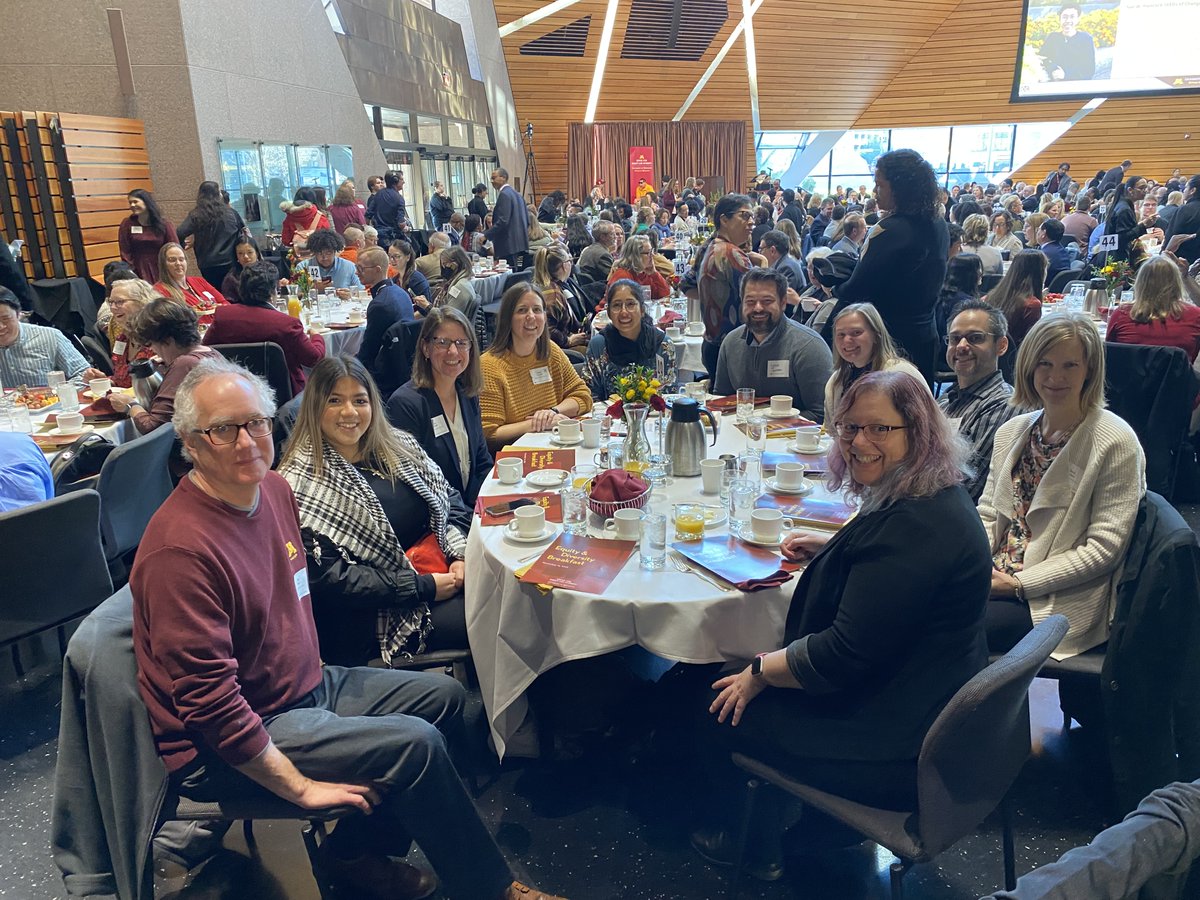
x=590 y=831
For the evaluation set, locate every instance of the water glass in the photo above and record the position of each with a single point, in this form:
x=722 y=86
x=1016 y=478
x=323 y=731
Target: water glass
x=616 y=454
x=54 y=379
x=582 y=474
x=742 y=496
x=745 y=404
x=756 y=434
x=653 y=544
x=750 y=468
x=575 y=510
x=68 y=397
x=658 y=472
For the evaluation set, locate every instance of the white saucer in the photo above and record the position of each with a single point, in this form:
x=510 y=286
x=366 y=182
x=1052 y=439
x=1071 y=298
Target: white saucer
x=749 y=538
x=560 y=443
x=547 y=532
x=547 y=477
x=783 y=415
x=55 y=432
x=826 y=443
x=774 y=488
x=697 y=333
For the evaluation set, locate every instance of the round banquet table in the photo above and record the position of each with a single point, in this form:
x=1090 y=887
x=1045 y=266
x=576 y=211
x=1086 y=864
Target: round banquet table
x=516 y=632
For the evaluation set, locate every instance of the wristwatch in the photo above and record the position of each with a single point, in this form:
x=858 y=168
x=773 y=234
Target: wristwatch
x=756 y=667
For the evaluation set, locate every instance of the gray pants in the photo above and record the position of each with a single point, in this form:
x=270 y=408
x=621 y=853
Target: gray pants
x=389 y=728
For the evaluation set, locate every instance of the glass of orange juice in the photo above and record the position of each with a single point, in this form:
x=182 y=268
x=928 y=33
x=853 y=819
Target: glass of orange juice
x=582 y=475
x=689 y=522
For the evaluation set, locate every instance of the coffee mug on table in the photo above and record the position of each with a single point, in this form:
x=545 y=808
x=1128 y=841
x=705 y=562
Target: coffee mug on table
x=710 y=474
x=69 y=422
x=100 y=387
x=808 y=437
x=767 y=525
x=510 y=470
x=673 y=332
x=591 y=433
x=528 y=521
x=781 y=404
x=566 y=431
x=626 y=524
x=789 y=475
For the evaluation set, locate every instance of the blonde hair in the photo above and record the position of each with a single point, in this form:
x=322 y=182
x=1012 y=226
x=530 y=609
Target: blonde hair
x=1157 y=291
x=1047 y=334
x=795 y=247
x=884 y=350
x=975 y=230
x=1035 y=220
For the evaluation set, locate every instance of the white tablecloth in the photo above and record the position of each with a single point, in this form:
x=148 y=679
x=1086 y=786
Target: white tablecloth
x=517 y=633
x=339 y=341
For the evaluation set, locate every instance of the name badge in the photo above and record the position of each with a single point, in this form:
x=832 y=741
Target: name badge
x=569 y=295
x=135 y=229
x=207 y=294
x=439 y=426
x=778 y=368
x=541 y=375
x=301 y=580
x=955 y=422
x=119 y=348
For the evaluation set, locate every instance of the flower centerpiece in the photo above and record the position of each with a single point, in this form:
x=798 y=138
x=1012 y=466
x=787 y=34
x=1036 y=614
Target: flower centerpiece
x=635 y=393
x=1116 y=275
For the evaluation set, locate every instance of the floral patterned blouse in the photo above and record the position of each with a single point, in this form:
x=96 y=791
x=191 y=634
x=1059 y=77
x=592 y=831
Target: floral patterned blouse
x=1026 y=476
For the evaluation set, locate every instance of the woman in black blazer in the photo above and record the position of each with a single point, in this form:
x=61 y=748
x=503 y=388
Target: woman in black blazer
x=903 y=264
x=439 y=406
x=886 y=622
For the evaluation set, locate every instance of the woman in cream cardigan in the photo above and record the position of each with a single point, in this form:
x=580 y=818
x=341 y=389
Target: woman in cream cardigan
x=1063 y=492
x=861 y=344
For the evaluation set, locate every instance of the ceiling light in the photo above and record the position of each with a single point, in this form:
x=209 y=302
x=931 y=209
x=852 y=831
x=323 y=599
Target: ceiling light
x=717 y=60
x=536 y=16
x=610 y=19
x=751 y=62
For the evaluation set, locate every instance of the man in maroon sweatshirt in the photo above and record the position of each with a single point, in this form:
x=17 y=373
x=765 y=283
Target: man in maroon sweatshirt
x=229 y=669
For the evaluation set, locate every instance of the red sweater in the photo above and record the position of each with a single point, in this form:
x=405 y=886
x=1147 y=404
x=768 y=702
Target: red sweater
x=238 y=323
x=652 y=279
x=219 y=635
x=1183 y=332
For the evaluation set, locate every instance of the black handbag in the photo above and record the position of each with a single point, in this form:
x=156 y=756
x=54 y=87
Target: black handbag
x=78 y=466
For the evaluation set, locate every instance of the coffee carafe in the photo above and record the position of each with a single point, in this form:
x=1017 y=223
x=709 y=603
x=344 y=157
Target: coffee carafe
x=146 y=381
x=685 y=441
x=1096 y=296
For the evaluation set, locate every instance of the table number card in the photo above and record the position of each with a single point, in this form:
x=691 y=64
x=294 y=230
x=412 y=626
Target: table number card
x=580 y=563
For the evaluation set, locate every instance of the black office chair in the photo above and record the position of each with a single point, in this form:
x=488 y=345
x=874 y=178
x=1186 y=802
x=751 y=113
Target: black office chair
x=265 y=359
x=393 y=364
x=96 y=353
x=63 y=534
x=523 y=277
x=1058 y=284
x=969 y=759
x=133 y=483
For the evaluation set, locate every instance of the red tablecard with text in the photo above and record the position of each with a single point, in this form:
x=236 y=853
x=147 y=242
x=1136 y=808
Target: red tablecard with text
x=580 y=563
x=641 y=166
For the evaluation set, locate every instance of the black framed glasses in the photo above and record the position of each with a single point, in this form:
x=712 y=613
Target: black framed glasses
x=974 y=338
x=848 y=431
x=444 y=344
x=218 y=435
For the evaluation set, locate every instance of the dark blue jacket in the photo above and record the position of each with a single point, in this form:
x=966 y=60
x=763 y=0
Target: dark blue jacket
x=389 y=304
x=414 y=410
x=509 y=233
x=1056 y=256
x=389 y=210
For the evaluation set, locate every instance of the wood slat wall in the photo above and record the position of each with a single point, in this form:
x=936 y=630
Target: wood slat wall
x=105 y=159
x=48 y=251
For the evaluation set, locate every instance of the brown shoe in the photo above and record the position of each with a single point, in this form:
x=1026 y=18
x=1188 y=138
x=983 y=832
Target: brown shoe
x=518 y=891
x=380 y=877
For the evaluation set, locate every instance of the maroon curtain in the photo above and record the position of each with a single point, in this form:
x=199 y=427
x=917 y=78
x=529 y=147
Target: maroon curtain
x=710 y=150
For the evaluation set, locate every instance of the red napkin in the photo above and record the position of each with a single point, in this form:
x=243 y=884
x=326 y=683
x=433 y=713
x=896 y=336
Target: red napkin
x=761 y=584
x=616 y=485
x=669 y=317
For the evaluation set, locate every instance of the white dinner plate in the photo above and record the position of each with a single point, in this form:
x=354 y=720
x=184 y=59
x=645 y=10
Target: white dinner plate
x=548 y=531
x=115 y=390
x=774 y=488
x=547 y=477
x=783 y=415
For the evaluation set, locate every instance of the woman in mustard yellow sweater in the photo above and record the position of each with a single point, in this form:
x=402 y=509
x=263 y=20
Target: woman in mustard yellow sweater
x=528 y=382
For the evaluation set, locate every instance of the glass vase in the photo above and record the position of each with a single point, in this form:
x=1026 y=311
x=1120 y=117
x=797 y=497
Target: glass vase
x=637 y=445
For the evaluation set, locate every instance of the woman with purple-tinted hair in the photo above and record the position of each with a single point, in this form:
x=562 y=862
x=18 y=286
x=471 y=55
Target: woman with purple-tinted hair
x=886 y=622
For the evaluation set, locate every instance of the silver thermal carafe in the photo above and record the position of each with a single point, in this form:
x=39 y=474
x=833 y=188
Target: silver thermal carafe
x=146 y=381
x=685 y=439
x=1096 y=297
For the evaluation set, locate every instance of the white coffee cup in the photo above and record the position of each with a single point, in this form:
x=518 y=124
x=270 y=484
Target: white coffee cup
x=355 y=315
x=808 y=437
x=789 y=475
x=626 y=524
x=809 y=304
x=566 y=431
x=694 y=328
x=781 y=404
x=710 y=473
x=767 y=525
x=510 y=470
x=591 y=432
x=70 y=422
x=673 y=332
x=528 y=521
x=100 y=386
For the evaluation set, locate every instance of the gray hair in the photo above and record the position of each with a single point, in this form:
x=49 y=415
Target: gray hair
x=439 y=240
x=185 y=419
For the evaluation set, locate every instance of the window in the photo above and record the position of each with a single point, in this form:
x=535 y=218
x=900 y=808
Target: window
x=397 y=125
x=777 y=150
x=458 y=134
x=931 y=143
x=852 y=159
x=482 y=141
x=979 y=152
x=260 y=176
x=429 y=130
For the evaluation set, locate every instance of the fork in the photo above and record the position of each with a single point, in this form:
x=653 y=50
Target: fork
x=686 y=569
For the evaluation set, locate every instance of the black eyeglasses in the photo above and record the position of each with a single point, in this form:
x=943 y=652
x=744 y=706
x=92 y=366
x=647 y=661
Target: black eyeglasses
x=848 y=431
x=259 y=426
x=444 y=344
x=974 y=338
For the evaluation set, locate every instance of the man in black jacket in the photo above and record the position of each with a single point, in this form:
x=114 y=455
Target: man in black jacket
x=1113 y=177
x=1187 y=221
x=793 y=211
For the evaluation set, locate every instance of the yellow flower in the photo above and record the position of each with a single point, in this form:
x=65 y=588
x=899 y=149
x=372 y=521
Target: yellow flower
x=629 y=394
x=656 y=384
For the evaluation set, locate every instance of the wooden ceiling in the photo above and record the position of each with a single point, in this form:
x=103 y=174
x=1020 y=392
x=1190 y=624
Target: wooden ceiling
x=834 y=65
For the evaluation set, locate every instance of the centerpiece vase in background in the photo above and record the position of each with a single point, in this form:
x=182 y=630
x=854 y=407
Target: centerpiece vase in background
x=637 y=445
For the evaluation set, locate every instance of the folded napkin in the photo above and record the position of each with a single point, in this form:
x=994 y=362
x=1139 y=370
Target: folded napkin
x=616 y=485
x=669 y=317
x=759 y=584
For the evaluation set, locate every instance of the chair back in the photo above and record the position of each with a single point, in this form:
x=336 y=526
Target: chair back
x=96 y=353
x=53 y=567
x=523 y=276
x=393 y=363
x=264 y=359
x=134 y=482
x=1058 y=284
x=979 y=742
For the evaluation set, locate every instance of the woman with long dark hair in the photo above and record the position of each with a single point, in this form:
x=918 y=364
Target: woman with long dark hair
x=1125 y=221
x=403 y=258
x=903 y=263
x=1019 y=295
x=578 y=236
x=143 y=234
x=213 y=225
x=245 y=253
x=964 y=275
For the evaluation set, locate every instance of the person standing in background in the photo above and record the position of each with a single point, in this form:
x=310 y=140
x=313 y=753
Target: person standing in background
x=509 y=233
x=143 y=234
x=209 y=231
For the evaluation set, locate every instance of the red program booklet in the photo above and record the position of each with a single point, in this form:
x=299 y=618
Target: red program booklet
x=538 y=459
x=826 y=513
x=580 y=563
x=550 y=502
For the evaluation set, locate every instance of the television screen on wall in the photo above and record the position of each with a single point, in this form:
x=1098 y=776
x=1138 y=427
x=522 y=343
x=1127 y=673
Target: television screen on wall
x=1107 y=48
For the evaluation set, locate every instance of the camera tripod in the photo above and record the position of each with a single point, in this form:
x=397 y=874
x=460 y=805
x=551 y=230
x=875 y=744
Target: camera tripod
x=530 y=165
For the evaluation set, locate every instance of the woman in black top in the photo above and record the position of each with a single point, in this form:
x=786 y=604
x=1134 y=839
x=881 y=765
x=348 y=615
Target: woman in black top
x=384 y=534
x=214 y=226
x=903 y=263
x=478 y=205
x=1125 y=221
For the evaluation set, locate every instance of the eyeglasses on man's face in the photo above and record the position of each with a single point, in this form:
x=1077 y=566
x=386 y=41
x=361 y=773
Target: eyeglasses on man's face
x=974 y=338
x=259 y=426
x=875 y=433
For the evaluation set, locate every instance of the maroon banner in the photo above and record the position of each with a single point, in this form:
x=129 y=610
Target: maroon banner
x=641 y=168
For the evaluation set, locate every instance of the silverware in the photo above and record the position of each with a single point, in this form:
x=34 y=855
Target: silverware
x=682 y=564
x=525 y=559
